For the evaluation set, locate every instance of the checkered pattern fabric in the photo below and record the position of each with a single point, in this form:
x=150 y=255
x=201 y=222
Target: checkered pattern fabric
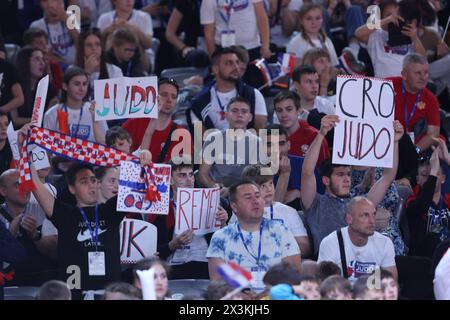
x=71 y=148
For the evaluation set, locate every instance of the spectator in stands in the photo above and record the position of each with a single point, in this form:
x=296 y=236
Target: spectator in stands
x=11 y=94
x=121 y=291
x=427 y=209
x=73 y=115
x=308 y=288
x=328 y=269
x=331 y=207
x=90 y=57
x=162 y=271
x=387 y=57
x=38 y=38
x=108 y=179
x=301 y=134
x=6 y=155
x=217 y=289
x=306 y=84
x=62 y=39
x=276 y=210
x=319 y=58
x=416 y=107
x=389 y=285
x=225 y=162
x=27 y=227
x=184 y=252
x=157 y=135
x=125 y=53
x=76 y=243
x=11 y=252
x=185 y=17
x=311 y=34
x=363 y=289
x=209 y=106
x=227 y=24
x=136 y=21
x=336 y=288
x=253 y=242
x=119 y=138
x=282 y=272
x=280 y=23
x=91 y=11
x=358 y=248
x=54 y=290
x=387 y=219
x=31 y=67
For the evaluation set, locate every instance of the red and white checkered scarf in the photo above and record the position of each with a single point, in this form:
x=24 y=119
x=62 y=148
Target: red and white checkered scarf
x=81 y=150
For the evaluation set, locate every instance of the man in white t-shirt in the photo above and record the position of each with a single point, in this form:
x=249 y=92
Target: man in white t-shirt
x=239 y=22
x=209 y=106
x=365 y=249
x=61 y=39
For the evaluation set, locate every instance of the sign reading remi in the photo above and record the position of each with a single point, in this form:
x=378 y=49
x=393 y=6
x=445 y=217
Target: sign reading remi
x=196 y=209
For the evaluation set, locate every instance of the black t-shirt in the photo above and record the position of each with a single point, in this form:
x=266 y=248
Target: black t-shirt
x=8 y=77
x=74 y=241
x=190 y=9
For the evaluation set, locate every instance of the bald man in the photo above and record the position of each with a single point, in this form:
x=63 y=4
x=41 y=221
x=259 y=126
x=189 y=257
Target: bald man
x=365 y=249
x=26 y=226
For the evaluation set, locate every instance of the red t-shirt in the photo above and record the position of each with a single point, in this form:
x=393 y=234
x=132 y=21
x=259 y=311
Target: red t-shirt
x=136 y=128
x=427 y=106
x=301 y=140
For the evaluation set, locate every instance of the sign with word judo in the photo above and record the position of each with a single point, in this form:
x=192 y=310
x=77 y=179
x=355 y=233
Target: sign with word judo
x=122 y=98
x=133 y=188
x=137 y=240
x=365 y=133
x=196 y=209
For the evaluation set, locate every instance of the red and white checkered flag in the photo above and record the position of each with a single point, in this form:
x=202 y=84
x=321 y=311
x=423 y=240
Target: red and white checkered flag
x=76 y=149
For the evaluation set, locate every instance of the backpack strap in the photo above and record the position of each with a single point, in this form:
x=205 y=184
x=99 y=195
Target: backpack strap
x=342 y=252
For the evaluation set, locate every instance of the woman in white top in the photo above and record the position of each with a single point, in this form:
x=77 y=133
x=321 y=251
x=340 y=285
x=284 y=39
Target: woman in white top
x=311 y=34
x=73 y=116
x=90 y=57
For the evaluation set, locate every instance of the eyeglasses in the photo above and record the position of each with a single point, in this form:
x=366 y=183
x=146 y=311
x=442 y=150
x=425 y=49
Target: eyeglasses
x=423 y=159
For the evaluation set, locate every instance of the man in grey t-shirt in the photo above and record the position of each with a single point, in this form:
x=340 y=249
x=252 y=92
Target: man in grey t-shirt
x=226 y=153
x=326 y=213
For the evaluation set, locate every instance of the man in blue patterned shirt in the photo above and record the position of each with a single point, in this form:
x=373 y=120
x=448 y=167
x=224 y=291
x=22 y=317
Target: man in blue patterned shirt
x=253 y=242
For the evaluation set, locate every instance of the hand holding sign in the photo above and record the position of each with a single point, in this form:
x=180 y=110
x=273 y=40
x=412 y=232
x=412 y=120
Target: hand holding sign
x=327 y=123
x=398 y=130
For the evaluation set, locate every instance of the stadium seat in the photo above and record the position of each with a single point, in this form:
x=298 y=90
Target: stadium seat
x=180 y=74
x=21 y=293
x=190 y=288
x=11 y=51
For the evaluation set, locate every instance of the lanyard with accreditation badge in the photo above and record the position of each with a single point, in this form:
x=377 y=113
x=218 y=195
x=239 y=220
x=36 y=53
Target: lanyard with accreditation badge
x=228 y=36
x=405 y=108
x=96 y=259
